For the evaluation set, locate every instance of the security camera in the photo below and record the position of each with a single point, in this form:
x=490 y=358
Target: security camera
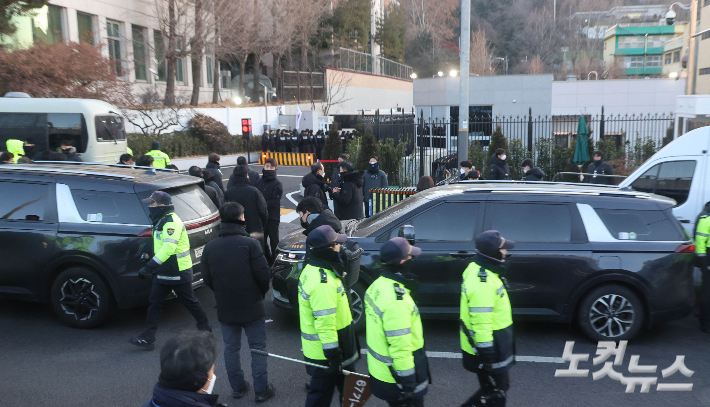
x=670 y=17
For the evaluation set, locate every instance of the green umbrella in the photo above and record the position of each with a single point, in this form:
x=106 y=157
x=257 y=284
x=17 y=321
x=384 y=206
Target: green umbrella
x=581 y=155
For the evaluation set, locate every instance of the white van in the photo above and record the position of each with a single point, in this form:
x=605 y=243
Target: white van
x=96 y=128
x=679 y=171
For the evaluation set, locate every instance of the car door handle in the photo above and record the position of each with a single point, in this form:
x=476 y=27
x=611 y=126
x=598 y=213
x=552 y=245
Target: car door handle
x=462 y=254
x=684 y=221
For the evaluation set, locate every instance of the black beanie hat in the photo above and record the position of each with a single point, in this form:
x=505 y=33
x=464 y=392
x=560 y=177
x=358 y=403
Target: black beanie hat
x=155 y=145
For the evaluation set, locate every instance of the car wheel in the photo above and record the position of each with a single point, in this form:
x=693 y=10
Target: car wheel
x=80 y=298
x=357 y=305
x=611 y=313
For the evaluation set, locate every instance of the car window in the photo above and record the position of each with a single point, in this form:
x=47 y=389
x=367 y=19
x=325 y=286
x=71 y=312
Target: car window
x=109 y=128
x=381 y=219
x=531 y=222
x=22 y=201
x=110 y=207
x=450 y=221
x=671 y=178
x=191 y=202
x=627 y=224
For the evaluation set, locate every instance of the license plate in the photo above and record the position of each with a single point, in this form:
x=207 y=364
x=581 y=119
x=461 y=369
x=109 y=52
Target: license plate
x=198 y=252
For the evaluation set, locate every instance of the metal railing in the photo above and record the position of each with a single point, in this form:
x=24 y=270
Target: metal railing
x=350 y=60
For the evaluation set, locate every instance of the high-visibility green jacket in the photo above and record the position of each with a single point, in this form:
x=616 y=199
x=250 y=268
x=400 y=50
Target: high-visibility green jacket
x=394 y=333
x=172 y=251
x=160 y=159
x=16 y=147
x=324 y=311
x=702 y=232
x=129 y=151
x=486 y=313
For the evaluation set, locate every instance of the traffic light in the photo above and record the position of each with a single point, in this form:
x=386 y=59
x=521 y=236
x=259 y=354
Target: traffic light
x=246 y=129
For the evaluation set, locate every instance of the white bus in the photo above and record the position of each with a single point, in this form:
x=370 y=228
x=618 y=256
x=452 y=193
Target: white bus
x=94 y=127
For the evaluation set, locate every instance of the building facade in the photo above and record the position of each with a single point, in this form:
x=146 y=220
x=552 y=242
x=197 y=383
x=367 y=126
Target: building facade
x=638 y=50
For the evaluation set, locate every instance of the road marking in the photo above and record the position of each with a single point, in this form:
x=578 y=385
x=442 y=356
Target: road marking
x=288 y=215
x=285 y=211
x=290 y=197
x=456 y=355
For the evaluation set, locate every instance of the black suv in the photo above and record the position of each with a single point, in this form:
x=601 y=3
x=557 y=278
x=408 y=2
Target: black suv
x=613 y=261
x=74 y=234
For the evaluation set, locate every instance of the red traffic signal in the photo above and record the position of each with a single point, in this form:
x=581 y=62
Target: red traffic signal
x=246 y=128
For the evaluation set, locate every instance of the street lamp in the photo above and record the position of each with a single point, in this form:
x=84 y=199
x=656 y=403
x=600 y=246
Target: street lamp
x=413 y=75
x=453 y=73
x=440 y=73
x=673 y=75
x=237 y=100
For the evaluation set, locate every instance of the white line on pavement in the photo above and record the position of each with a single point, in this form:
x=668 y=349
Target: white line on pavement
x=456 y=355
x=289 y=217
x=290 y=197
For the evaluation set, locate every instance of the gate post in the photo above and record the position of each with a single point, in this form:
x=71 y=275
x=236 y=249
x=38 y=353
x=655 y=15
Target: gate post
x=530 y=130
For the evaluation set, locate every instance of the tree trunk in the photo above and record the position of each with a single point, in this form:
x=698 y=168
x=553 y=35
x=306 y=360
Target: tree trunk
x=216 y=81
x=196 y=54
x=275 y=73
x=242 y=68
x=258 y=90
x=304 y=57
x=170 y=56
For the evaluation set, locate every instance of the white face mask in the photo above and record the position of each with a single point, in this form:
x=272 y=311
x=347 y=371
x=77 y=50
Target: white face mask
x=462 y=171
x=503 y=157
x=211 y=385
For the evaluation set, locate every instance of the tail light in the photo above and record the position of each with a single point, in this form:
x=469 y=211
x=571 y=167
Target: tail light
x=201 y=224
x=146 y=233
x=685 y=248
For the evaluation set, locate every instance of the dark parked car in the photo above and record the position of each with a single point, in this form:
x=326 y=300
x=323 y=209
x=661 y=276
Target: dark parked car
x=73 y=235
x=613 y=261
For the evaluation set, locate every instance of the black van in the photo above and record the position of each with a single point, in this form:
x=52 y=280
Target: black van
x=74 y=234
x=613 y=261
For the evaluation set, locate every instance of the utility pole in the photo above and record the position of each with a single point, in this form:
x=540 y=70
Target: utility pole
x=464 y=69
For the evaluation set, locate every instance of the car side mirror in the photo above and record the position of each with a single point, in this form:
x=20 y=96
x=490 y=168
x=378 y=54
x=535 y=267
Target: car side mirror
x=407 y=232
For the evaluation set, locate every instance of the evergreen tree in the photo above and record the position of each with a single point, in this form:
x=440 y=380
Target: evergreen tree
x=332 y=149
x=391 y=33
x=368 y=148
x=498 y=140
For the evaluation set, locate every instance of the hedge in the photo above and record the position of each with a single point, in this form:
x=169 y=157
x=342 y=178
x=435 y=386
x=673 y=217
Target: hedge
x=184 y=144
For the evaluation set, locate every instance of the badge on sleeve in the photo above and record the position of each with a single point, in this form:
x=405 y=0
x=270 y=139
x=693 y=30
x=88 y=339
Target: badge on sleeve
x=171 y=231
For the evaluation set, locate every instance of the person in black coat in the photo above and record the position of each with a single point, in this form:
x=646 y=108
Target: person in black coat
x=344 y=140
x=210 y=182
x=320 y=143
x=499 y=168
x=250 y=198
x=348 y=194
x=272 y=190
x=532 y=173
x=313 y=214
x=600 y=167
x=314 y=184
x=253 y=175
x=265 y=142
x=279 y=145
x=210 y=190
x=213 y=167
x=272 y=141
x=295 y=141
x=335 y=179
x=234 y=267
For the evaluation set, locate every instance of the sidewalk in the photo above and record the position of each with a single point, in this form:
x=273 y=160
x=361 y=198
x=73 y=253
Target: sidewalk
x=225 y=160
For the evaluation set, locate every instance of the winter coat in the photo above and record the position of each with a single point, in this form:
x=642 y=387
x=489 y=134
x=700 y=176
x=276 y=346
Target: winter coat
x=253 y=178
x=314 y=185
x=272 y=190
x=218 y=176
x=264 y=142
x=71 y=155
x=165 y=397
x=234 y=267
x=214 y=196
x=499 y=169
x=372 y=181
x=534 y=174
x=603 y=168
x=255 y=211
x=324 y=218
x=349 y=198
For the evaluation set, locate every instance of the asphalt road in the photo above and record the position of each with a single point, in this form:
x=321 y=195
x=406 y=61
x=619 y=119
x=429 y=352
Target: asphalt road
x=44 y=363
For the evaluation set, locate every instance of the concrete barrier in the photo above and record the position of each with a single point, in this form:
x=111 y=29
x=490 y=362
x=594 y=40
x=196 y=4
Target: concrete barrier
x=289 y=158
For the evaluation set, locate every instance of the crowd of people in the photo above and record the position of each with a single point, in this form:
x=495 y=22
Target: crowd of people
x=293 y=141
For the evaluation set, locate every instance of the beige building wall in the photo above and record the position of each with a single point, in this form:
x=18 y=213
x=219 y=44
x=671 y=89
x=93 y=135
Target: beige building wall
x=702 y=73
x=351 y=92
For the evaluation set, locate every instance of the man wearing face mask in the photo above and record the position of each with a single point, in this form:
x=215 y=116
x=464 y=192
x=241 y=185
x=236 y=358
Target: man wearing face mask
x=314 y=184
x=272 y=190
x=598 y=168
x=486 y=321
x=70 y=151
x=170 y=268
x=313 y=215
x=187 y=372
x=327 y=333
x=374 y=178
x=396 y=358
x=499 y=168
x=532 y=173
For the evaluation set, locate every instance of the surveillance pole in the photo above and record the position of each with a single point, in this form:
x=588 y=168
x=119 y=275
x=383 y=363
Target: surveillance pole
x=464 y=69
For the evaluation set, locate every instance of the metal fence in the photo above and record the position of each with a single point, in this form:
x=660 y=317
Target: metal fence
x=361 y=62
x=431 y=145
x=303 y=86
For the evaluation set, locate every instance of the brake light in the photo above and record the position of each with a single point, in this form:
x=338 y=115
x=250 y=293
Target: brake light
x=685 y=248
x=146 y=233
x=201 y=224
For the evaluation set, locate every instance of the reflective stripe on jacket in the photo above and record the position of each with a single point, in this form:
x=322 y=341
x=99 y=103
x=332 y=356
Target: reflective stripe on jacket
x=160 y=159
x=486 y=314
x=172 y=250
x=702 y=232
x=325 y=316
x=394 y=332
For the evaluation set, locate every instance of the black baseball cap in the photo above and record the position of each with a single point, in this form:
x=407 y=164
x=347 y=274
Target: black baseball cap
x=396 y=250
x=160 y=197
x=323 y=236
x=491 y=241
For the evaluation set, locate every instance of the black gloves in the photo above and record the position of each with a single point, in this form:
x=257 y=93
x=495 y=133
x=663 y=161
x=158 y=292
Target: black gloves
x=487 y=357
x=409 y=383
x=145 y=273
x=335 y=360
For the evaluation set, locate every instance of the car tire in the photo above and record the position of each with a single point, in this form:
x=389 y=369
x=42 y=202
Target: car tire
x=357 y=305
x=611 y=313
x=80 y=298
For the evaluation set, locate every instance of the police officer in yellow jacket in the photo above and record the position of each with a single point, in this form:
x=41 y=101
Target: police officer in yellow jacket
x=170 y=268
x=702 y=235
x=327 y=333
x=160 y=159
x=16 y=147
x=487 y=321
x=396 y=357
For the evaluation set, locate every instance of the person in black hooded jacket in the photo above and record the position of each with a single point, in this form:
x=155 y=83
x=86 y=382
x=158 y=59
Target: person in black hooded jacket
x=348 y=194
x=314 y=184
x=211 y=189
x=532 y=173
x=213 y=167
x=252 y=200
x=599 y=168
x=314 y=214
x=499 y=168
x=272 y=190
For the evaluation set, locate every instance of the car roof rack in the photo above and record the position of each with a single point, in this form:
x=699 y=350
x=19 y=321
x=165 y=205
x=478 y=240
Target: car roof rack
x=106 y=165
x=24 y=167
x=588 y=189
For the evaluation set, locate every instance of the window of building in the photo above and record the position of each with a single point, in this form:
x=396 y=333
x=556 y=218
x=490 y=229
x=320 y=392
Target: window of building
x=704 y=71
x=47 y=25
x=160 y=56
x=210 y=70
x=113 y=34
x=85 y=23
x=653 y=61
x=676 y=56
x=671 y=179
x=631 y=42
x=23 y=201
x=633 y=62
x=655 y=41
x=444 y=223
x=531 y=222
x=668 y=58
x=140 y=56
